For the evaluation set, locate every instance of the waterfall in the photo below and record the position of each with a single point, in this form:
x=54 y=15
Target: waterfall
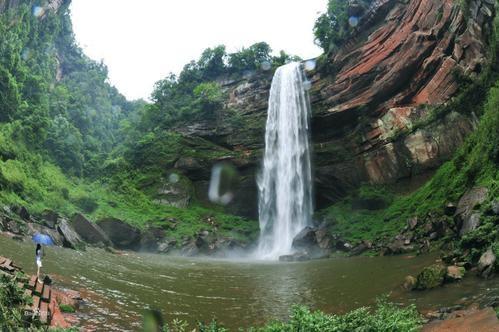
x=285 y=183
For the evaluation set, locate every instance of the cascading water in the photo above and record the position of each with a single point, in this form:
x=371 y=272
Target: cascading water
x=285 y=183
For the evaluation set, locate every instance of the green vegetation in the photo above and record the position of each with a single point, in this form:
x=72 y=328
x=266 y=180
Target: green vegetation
x=385 y=317
x=11 y=303
x=67 y=308
x=69 y=142
x=332 y=28
x=474 y=164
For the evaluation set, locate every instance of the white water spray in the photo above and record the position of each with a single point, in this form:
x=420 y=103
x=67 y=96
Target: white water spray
x=285 y=184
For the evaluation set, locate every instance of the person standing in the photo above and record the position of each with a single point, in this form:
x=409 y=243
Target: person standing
x=38 y=256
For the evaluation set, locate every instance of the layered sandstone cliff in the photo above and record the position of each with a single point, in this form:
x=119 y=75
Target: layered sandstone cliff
x=373 y=100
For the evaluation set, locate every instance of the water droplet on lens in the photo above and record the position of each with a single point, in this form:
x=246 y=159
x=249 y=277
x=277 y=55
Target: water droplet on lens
x=173 y=178
x=310 y=65
x=224 y=180
x=38 y=11
x=26 y=54
x=266 y=65
x=307 y=85
x=353 y=21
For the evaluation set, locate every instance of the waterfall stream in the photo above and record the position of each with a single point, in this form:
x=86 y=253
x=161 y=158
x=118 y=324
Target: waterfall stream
x=285 y=183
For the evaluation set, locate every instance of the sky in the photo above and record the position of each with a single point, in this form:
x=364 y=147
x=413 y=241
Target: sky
x=143 y=41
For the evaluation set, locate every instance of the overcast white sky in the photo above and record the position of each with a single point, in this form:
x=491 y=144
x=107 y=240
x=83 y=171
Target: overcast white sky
x=142 y=41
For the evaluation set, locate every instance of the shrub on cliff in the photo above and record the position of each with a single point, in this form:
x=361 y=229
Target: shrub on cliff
x=333 y=27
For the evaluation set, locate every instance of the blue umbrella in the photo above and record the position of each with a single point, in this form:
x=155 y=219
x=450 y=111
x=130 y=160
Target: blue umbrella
x=43 y=239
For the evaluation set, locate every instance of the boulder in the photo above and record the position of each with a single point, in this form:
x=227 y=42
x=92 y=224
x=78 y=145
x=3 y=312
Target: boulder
x=454 y=273
x=177 y=192
x=296 y=257
x=324 y=238
x=412 y=223
x=166 y=245
x=12 y=226
x=470 y=223
x=306 y=238
x=24 y=214
x=486 y=264
x=409 y=282
x=470 y=200
x=121 y=234
x=397 y=247
x=70 y=238
x=361 y=248
x=151 y=238
x=89 y=231
x=431 y=277
x=190 y=249
x=33 y=228
x=49 y=218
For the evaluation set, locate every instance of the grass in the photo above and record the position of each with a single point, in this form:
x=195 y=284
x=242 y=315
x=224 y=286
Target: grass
x=384 y=317
x=28 y=179
x=476 y=163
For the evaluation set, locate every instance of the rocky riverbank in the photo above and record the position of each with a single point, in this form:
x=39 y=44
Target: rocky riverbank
x=78 y=232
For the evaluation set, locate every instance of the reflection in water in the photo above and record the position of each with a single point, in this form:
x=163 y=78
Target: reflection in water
x=117 y=289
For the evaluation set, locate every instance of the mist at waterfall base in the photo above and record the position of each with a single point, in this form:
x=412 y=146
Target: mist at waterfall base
x=285 y=182
x=285 y=204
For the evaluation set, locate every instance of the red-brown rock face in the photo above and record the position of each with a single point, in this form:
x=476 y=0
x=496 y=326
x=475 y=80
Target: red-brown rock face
x=372 y=101
x=384 y=82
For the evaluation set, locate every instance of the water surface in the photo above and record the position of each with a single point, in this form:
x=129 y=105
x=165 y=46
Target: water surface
x=118 y=288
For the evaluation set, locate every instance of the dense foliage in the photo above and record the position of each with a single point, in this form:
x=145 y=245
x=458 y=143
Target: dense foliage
x=333 y=27
x=195 y=93
x=59 y=98
x=385 y=317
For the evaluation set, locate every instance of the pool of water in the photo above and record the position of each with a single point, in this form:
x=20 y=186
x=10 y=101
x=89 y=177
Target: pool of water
x=117 y=288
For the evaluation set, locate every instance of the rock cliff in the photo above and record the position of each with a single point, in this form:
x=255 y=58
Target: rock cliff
x=375 y=100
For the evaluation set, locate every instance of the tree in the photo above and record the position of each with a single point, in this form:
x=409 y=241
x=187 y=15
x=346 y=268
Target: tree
x=250 y=58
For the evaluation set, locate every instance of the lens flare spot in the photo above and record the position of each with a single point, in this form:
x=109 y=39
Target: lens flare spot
x=307 y=85
x=173 y=178
x=223 y=183
x=266 y=65
x=38 y=11
x=353 y=21
x=26 y=54
x=310 y=65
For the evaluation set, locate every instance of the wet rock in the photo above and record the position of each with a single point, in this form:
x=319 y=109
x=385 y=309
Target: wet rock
x=305 y=239
x=361 y=248
x=431 y=277
x=89 y=231
x=121 y=234
x=470 y=223
x=450 y=209
x=324 y=238
x=412 y=223
x=454 y=273
x=398 y=247
x=166 y=246
x=486 y=264
x=177 y=193
x=49 y=218
x=24 y=214
x=409 y=282
x=32 y=228
x=12 y=226
x=470 y=200
x=151 y=239
x=296 y=257
x=190 y=249
x=70 y=238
